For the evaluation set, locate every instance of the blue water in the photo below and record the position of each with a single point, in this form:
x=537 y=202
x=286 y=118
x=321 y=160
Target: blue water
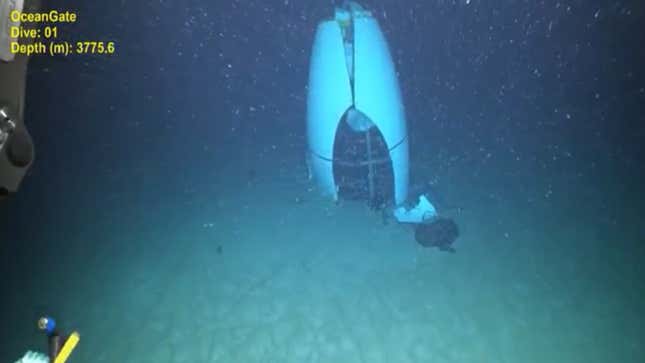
x=168 y=216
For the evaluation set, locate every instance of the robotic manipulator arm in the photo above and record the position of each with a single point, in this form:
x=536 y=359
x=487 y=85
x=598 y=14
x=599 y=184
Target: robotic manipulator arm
x=16 y=147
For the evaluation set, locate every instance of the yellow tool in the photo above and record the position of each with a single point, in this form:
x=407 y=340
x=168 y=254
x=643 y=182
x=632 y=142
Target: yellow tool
x=67 y=348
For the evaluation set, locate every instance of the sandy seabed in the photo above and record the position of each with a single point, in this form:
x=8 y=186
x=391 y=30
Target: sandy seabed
x=271 y=272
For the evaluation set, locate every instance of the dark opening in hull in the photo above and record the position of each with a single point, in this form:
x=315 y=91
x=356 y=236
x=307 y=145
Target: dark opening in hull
x=362 y=166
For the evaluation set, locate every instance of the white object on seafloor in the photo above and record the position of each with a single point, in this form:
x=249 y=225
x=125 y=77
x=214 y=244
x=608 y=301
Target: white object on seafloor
x=33 y=357
x=423 y=211
x=351 y=69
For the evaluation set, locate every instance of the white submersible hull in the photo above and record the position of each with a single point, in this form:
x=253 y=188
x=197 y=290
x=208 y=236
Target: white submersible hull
x=353 y=89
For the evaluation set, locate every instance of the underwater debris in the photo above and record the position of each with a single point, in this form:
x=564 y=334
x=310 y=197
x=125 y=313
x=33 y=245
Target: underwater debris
x=438 y=232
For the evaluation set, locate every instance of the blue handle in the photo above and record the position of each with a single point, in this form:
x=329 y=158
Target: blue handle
x=47 y=323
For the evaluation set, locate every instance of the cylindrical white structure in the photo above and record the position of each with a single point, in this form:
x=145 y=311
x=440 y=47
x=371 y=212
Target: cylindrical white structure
x=351 y=68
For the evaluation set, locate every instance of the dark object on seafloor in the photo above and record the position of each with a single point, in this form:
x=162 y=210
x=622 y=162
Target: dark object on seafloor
x=439 y=232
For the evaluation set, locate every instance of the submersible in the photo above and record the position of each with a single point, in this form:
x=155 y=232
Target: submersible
x=356 y=127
